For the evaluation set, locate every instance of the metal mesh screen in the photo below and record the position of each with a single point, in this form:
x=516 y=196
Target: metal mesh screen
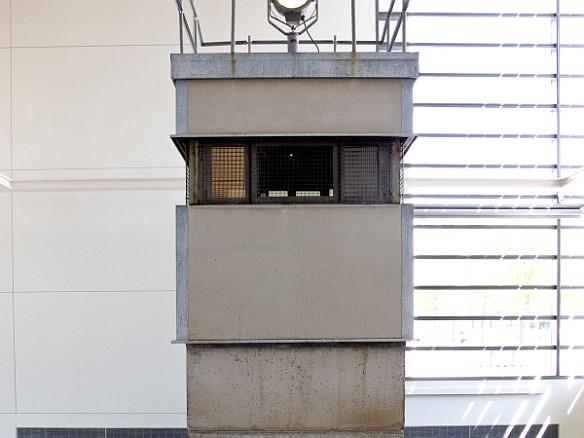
x=401 y=175
x=359 y=178
x=294 y=171
x=187 y=183
x=290 y=172
x=227 y=176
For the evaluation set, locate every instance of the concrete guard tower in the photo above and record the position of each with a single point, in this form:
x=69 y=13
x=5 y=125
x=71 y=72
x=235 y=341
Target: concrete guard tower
x=294 y=255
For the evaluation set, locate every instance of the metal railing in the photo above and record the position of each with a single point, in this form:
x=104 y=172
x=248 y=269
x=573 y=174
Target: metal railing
x=390 y=25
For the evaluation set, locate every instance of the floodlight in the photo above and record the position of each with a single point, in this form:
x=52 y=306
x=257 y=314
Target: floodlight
x=295 y=13
x=292 y=5
x=292 y=9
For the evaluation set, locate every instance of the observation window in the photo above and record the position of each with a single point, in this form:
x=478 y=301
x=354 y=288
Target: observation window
x=300 y=172
x=294 y=171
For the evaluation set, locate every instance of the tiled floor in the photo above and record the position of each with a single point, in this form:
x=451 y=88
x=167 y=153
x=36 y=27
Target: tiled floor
x=410 y=432
x=482 y=432
x=101 y=433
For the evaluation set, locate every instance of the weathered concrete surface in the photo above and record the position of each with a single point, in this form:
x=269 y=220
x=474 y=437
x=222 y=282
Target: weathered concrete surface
x=298 y=65
x=299 y=272
x=296 y=389
x=300 y=94
x=264 y=277
x=182 y=275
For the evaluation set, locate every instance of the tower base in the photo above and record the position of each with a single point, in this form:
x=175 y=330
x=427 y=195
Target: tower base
x=296 y=390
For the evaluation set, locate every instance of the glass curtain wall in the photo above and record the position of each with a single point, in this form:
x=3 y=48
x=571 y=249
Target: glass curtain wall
x=499 y=103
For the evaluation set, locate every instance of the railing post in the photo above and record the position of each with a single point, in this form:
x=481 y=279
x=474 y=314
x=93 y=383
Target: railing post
x=405 y=4
x=196 y=37
x=404 y=32
x=353 y=28
x=180 y=24
x=232 y=26
x=377 y=25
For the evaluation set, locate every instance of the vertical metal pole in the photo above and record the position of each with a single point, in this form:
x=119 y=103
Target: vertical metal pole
x=353 y=27
x=377 y=25
x=558 y=92
x=388 y=48
x=232 y=26
x=293 y=42
x=558 y=174
x=249 y=44
x=559 y=294
x=180 y=25
x=335 y=44
x=196 y=36
x=404 y=10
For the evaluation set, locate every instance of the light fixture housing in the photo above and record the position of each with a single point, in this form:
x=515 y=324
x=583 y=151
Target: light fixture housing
x=285 y=7
x=298 y=16
x=293 y=11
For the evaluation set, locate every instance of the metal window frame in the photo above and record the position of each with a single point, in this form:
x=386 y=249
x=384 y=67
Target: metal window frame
x=556 y=348
x=389 y=172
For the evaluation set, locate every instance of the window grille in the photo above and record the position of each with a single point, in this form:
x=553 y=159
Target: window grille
x=226 y=173
x=303 y=172
x=360 y=170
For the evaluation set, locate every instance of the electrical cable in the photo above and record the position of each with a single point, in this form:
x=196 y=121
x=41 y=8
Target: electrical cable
x=310 y=36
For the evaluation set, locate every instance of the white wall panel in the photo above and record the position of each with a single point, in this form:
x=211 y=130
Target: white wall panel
x=93 y=107
x=497 y=403
x=7 y=427
x=7 y=401
x=94 y=241
x=5 y=111
x=83 y=22
x=98 y=353
x=4 y=23
x=5 y=242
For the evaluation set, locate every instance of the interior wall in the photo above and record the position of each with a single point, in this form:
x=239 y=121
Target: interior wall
x=87 y=240
x=86 y=227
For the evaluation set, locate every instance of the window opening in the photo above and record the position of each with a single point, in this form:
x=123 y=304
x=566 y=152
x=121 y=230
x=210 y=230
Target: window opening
x=294 y=171
x=303 y=172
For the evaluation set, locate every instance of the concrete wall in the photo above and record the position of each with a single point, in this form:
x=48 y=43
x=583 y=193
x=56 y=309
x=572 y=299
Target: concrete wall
x=305 y=93
x=300 y=106
x=286 y=389
x=289 y=272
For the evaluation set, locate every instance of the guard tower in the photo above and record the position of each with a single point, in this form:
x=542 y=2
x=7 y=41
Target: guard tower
x=294 y=257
